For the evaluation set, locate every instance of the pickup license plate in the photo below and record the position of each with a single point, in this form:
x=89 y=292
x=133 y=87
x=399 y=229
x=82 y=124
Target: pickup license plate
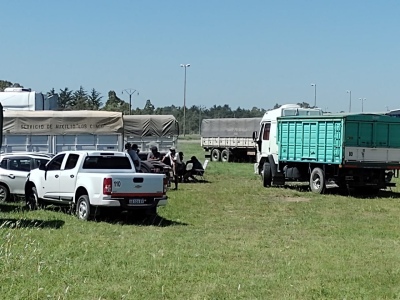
x=137 y=201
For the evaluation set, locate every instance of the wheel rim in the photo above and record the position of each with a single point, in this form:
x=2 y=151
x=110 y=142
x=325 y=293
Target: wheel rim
x=316 y=181
x=82 y=210
x=3 y=194
x=224 y=156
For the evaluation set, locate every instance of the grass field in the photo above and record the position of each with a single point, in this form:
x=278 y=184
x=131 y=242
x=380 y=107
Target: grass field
x=228 y=238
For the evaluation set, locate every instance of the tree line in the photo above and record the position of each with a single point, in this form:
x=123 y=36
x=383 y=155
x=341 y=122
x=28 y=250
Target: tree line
x=82 y=99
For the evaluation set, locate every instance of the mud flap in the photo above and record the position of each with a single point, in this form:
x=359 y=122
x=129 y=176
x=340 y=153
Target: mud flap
x=277 y=177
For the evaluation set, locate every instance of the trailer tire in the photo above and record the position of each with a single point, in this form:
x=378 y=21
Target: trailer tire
x=317 y=181
x=267 y=175
x=215 y=154
x=225 y=155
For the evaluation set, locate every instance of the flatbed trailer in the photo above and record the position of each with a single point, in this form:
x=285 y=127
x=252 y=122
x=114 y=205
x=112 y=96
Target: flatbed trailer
x=229 y=139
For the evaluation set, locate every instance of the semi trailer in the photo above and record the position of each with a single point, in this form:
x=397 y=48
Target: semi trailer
x=229 y=139
x=351 y=151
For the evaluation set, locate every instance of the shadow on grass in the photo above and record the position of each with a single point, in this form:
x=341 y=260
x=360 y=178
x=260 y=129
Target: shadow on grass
x=130 y=218
x=122 y=218
x=360 y=194
x=198 y=181
x=30 y=223
x=373 y=195
x=10 y=207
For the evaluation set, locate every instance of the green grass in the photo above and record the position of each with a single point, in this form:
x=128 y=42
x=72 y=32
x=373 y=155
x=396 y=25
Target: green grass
x=225 y=239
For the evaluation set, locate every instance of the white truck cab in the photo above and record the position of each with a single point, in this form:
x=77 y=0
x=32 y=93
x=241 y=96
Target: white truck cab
x=266 y=138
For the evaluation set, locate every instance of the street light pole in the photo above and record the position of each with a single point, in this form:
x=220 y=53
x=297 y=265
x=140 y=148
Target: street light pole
x=349 y=92
x=315 y=93
x=184 y=98
x=130 y=92
x=362 y=103
x=200 y=110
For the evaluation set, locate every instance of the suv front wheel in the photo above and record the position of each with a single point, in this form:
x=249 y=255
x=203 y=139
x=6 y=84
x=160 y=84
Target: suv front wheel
x=32 y=201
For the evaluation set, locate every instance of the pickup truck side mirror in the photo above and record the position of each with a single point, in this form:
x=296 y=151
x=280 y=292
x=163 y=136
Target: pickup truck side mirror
x=43 y=167
x=255 y=136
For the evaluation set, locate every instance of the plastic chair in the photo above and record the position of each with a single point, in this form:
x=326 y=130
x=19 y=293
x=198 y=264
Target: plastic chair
x=200 y=172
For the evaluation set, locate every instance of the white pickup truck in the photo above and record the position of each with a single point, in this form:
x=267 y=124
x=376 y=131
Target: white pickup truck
x=88 y=180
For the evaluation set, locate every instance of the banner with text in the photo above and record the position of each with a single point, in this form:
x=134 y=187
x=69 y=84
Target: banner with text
x=62 y=122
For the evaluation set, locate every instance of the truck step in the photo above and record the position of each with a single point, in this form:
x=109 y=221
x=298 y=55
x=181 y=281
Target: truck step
x=331 y=185
x=278 y=179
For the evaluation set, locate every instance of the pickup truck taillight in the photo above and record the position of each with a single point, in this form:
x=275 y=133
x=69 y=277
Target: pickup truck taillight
x=107 y=186
x=165 y=184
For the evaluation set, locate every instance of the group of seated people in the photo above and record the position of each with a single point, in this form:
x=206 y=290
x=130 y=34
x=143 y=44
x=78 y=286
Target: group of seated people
x=171 y=158
x=175 y=160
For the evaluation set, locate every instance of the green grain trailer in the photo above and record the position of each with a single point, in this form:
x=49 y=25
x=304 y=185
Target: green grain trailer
x=360 y=151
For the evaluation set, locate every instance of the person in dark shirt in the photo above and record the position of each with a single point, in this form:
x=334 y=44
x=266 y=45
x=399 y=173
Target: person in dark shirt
x=154 y=154
x=197 y=167
x=132 y=152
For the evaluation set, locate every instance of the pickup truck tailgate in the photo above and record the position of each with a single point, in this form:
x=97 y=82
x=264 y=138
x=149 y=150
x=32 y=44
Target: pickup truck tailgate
x=138 y=184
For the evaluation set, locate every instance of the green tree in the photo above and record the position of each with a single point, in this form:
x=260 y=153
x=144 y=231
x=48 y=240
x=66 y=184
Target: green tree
x=50 y=93
x=116 y=104
x=148 y=108
x=80 y=99
x=4 y=84
x=94 y=100
x=65 y=99
x=304 y=105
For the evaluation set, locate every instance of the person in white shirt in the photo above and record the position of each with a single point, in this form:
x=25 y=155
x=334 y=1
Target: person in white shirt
x=175 y=163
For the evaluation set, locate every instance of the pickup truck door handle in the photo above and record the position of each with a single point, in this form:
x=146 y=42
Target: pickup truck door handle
x=11 y=176
x=72 y=176
x=56 y=176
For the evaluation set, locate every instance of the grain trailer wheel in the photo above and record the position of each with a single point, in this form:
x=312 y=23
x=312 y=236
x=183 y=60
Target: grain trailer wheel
x=317 y=181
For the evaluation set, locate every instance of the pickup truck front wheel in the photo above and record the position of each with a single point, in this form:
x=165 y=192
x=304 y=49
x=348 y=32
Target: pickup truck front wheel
x=83 y=208
x=32 y=201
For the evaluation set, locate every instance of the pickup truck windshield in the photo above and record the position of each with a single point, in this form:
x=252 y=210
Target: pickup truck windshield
x=107 y=162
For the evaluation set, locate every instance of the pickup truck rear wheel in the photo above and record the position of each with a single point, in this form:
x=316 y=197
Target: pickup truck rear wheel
x=83 y=208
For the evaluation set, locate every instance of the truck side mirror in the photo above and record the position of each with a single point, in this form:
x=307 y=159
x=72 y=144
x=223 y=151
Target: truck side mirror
x=255 y=136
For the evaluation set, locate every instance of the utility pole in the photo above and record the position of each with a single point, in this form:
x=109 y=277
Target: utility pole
x=315 y=94
x=362 y=103
x=130 y=92
x=184 y=98
x=349 y=92
x=200 y=110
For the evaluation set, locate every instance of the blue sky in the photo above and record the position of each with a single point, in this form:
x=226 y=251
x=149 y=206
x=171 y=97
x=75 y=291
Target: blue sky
x=242 y=53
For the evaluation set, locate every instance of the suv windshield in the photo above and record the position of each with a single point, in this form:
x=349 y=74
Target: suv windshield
x=107 y=162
